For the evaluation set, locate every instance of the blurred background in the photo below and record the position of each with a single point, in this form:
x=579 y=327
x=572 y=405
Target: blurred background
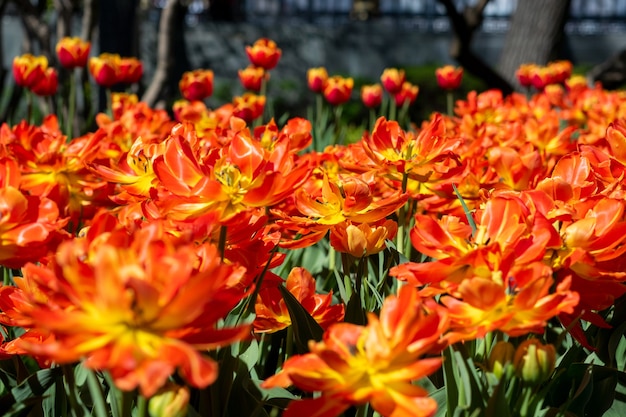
x=357 y=38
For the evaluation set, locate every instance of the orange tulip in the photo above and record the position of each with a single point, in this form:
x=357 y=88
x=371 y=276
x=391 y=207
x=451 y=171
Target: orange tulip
x=426 y=158
x=28 y=70
x=30 y=226
x=362 y=239
x=338 y=90
x=524 y=305
x=376 y=363
x=347 y=199
x=197 y=84
x=241 y=177
x=53 y=168
x=372 y=95
x=248 y=107
x=130 y=70
x=496 y=279
x=407 y=94
x=271 y=311
x=616 y=137
x=73 y=52
x=105 y=69
x=393 y=79
x=139 y=305
x=252 y=77
x=264 y=53
x=449 y=77
x=316 y=79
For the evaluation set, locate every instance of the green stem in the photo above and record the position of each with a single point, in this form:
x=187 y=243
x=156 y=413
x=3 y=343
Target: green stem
x=332 y=258
x=392 y=109
x=338 y=131
x=95 y=388
x=403 y=118
x=109 y=102
x=29 y=106
x=142 y=406
x=127 y=403
x=372 y=120
x=319 y=108
x=525 y=408
x=320 y=123
x=450 y=102
x=402 y=219
x=69 y=128
x=361 y=269
x=222 y=242
x=7 y=276
x=262 y=92
x=487 y=342
x=70 y=388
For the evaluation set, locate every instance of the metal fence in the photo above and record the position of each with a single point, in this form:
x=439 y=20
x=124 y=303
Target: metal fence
x=586 y=16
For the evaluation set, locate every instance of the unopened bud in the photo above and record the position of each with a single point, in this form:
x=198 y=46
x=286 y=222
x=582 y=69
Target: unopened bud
x=171 y=401
x=534 y=362
x=500 y=357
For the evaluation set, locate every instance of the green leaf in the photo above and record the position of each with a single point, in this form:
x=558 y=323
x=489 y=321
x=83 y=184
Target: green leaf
x=30 y=392
x=354 y=311
x=305 y=327
x=450 y=382
x=440 y=396
x=249 y=353
x=617 y=347
x=584 y=389
x=466 y=210
x=498 y=404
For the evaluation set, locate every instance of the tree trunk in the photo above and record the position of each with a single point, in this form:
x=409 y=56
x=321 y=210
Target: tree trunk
x=171 y=55
x=37 y=30
x=610 y=73
x=535 y=35
x=64 y=10
x=464 y=25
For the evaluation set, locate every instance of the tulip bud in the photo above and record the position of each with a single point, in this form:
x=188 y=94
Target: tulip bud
x=316 y=78
x=252 y=78
x=73 y=52
x=533 y=361
x=130 y=70
x=406 y=95
x=393 y=79
x=372 y=95
x=500 y=357
x=248 y=107
x=197 y=84
x=264 y=53
x=171 y=401
x=338 y=90
x=29 y=70
x=449 y=77
x=105 y=69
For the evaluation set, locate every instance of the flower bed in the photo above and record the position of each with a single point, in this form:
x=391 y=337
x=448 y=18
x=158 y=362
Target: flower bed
x=222 y=263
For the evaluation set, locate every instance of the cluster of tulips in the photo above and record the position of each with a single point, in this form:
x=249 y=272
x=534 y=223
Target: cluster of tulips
x=218 y=263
